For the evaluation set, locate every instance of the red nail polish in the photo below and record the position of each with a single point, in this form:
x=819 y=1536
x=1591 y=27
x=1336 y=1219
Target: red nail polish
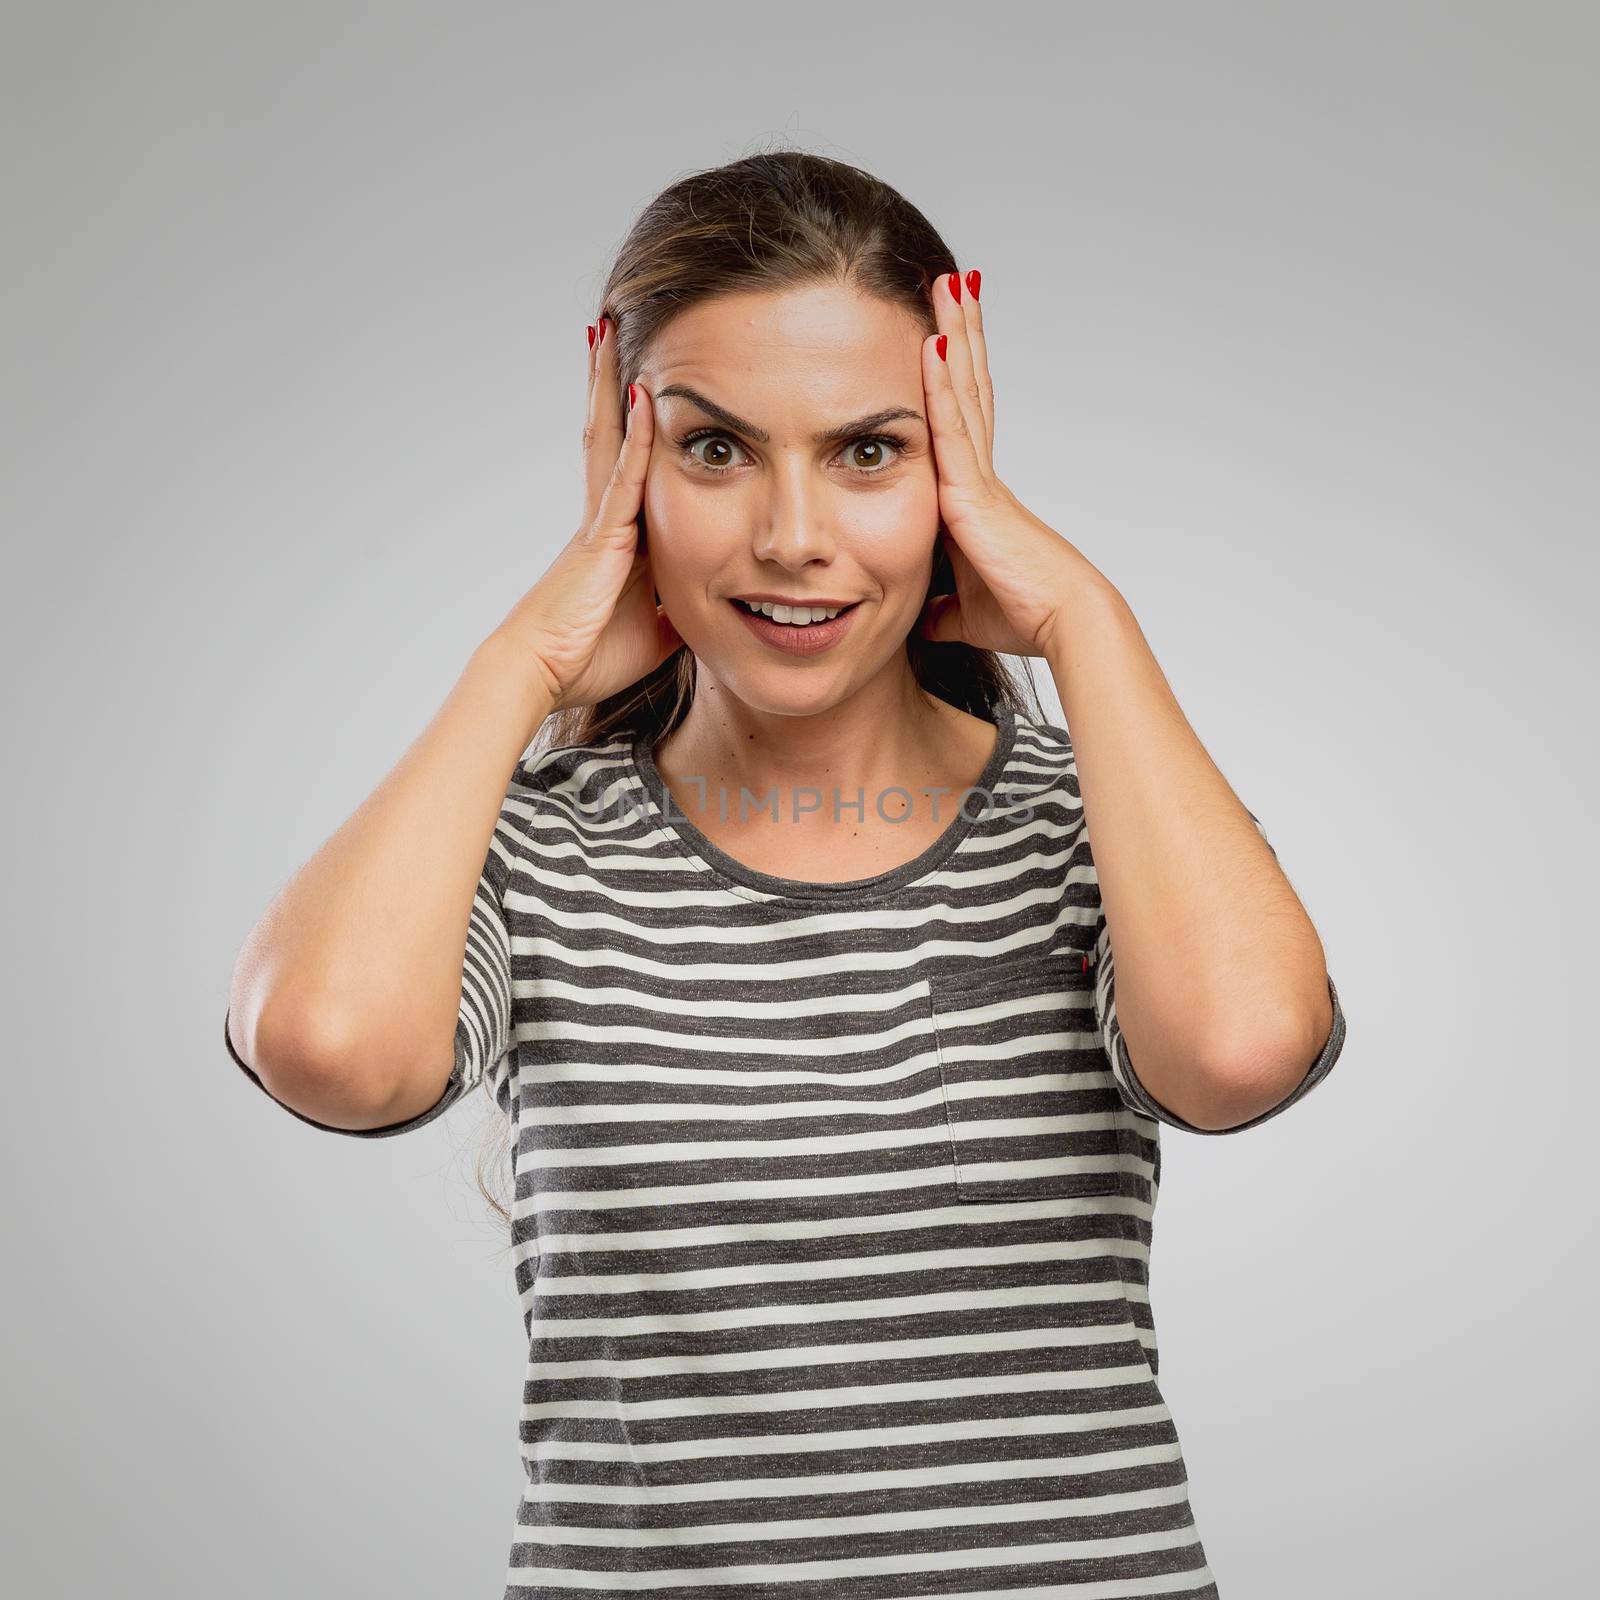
x=600 y=335
x=591 y=336
x=1086 y=963
x=954 y=280
x=974 y=280
x=633 y=394
x=941 y=344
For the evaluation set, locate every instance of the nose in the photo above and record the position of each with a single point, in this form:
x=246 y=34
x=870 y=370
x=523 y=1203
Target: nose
x=791 y=523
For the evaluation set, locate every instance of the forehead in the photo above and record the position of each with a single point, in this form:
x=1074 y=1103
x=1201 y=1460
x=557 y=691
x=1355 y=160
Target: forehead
x=824 y=344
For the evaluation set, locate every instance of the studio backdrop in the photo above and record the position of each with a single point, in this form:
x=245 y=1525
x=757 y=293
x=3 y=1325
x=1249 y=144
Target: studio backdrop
x=1289 y=311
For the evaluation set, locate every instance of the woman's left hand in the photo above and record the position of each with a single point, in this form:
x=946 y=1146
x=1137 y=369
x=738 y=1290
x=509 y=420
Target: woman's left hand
x=1013 y=573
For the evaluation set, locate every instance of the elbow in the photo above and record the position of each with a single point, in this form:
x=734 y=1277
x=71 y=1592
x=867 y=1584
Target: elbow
x=1254 y=1072
x=1228 y=1099
x=306 y=1064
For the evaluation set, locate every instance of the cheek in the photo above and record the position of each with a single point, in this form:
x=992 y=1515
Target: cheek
x=894 y=533
x=690 y=534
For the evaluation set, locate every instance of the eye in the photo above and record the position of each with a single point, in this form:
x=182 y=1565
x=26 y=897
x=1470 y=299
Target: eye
x=872 y=462
x=715 y=459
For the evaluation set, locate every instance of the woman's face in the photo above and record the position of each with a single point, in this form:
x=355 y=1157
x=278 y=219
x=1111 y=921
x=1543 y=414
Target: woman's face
x=792 y=460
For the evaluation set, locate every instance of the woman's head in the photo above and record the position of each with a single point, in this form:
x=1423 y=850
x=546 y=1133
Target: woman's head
x=789 y=292
x=792 y=291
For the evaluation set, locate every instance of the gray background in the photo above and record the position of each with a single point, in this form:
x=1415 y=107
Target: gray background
x=1292 y=320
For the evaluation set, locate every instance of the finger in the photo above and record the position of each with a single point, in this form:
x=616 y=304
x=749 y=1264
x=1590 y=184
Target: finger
x=588 y=404
x=603 y=425
x=952 y=320
x=954 y=447
x=623 y=496
x=980 y=351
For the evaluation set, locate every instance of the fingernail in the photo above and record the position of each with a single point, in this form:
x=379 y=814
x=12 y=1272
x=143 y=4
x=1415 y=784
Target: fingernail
x=954 y=280
x=601 y=334
x=974 y=279
x=633 y=394
x=939 y=344
x=591 y=335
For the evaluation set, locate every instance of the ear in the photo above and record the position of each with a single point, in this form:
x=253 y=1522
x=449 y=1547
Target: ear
x=940 y=620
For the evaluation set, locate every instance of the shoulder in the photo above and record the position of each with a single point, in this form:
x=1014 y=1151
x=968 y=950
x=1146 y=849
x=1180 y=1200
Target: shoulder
x=1041 y=776
x=565 y=788
x=571 y=770
x=1041 y=744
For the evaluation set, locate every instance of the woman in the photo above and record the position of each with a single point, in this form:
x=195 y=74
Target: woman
x=834 y=1119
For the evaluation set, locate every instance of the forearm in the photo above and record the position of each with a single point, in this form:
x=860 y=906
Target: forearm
x=348 y=986
x=1221 y=982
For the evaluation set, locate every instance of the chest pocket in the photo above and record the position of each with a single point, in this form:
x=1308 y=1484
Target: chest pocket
x=1033 y=1111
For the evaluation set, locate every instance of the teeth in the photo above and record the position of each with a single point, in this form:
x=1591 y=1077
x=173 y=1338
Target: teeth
x=798 y=616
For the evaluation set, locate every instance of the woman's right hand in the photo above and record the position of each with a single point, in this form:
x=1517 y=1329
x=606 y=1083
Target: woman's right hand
x=590 y=626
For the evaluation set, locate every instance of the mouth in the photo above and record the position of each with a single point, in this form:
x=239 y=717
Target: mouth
x=792 y=628
x=794 y=613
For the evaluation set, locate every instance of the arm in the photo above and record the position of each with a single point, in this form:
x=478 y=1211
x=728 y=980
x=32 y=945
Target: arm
x=1223 y=993
x=351 y=989
x=345 y=997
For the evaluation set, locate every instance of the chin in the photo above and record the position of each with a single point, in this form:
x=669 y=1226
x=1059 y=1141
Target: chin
x=776 y=694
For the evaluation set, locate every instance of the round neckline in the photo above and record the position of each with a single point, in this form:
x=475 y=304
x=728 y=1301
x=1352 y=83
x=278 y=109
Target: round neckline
x=693 y=843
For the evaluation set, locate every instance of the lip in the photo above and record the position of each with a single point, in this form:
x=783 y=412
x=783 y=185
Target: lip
x=806 y=641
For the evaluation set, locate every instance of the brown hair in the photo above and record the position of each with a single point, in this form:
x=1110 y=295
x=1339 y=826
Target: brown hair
x=767 y=222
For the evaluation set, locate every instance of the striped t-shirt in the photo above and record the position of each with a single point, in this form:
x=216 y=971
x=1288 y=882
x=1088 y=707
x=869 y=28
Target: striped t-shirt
x=832 y=1203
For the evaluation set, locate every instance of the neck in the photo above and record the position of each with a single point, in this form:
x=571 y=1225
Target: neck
x=890 y=732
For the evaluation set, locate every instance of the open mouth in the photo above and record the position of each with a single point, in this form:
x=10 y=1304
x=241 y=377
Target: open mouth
x=799 y=617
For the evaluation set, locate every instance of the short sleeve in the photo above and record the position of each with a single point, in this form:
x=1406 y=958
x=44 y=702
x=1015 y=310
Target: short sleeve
x=1134 y=1093
x=483 y=1021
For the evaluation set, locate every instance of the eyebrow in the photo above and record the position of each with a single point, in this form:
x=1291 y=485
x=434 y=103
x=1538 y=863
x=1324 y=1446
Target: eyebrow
x=848 y=430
